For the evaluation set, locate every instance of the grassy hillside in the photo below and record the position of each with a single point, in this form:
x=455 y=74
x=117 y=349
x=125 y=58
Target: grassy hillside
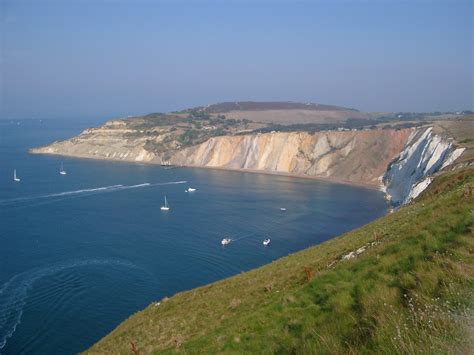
x=407 y=288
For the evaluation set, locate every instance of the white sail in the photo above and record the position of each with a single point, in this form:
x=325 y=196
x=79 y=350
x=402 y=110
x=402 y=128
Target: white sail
x=62 y=171
x=165 y=207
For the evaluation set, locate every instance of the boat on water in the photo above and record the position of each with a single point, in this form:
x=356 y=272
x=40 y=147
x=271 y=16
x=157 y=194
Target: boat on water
x=190 y=189
x=15 y=178
x=266 y=241
x=283 y=209
x=61 y=170
x=226 y=241
x=165 y=207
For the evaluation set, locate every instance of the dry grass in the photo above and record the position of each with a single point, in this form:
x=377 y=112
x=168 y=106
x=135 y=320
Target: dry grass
x=296 y=116
x=462 y=130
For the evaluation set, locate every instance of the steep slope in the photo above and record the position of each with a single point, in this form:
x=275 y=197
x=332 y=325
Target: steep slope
x=401 y=161
x=357 y=157
x=424 y=154
x=112 y=141
x=402 y=284
x=350 y=156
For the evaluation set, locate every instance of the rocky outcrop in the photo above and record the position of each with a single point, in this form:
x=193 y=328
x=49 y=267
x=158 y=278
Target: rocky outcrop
x=424 y=154
x=113 y=141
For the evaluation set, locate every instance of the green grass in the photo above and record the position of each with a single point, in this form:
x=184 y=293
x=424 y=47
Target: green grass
x=410 y=291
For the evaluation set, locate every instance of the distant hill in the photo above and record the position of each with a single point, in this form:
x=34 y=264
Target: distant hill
x=269 y=105
x=282 y=112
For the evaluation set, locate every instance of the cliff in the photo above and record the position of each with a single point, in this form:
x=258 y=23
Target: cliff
x=356 y=156
x=400 y=161
x=351 y=156
x=113 y=141
x=423 y=155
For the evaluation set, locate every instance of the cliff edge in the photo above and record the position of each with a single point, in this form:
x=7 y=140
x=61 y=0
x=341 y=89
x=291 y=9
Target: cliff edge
x=400 y=161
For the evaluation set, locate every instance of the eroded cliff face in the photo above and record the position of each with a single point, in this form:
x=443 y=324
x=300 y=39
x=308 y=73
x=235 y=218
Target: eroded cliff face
x=399 y=161
x=113 y=141
x=353 y=156
x=424 y=154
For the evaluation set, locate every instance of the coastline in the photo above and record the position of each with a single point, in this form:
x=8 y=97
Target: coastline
x=332 y=180
x=307 y=177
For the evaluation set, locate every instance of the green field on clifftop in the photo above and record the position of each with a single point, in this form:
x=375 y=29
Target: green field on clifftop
x=409 y=290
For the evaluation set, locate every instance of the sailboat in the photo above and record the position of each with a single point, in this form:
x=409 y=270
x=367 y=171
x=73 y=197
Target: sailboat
x=62 y=171
x=15 y=178
x=165 y=207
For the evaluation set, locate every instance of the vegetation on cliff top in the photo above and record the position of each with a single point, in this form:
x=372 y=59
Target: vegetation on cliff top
x=402 y=284
x=223 y=107
x=168 y=132
x=462 y=131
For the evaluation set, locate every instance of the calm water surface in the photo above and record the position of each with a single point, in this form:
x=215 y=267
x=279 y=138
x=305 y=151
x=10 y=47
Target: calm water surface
x=80 y=253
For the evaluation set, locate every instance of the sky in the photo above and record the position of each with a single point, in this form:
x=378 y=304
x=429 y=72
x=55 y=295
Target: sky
x=104 y=58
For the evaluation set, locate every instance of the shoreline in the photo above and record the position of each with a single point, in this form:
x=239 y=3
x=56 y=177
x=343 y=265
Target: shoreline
x=292 y=175
x=331 y=180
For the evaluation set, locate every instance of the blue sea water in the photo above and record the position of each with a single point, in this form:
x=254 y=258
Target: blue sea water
x=80 y=253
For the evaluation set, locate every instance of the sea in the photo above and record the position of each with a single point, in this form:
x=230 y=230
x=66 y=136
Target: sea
x=81 y=252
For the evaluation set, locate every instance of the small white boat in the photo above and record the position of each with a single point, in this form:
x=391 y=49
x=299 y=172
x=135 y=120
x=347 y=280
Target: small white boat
x=283 y=209
x=61 y=170
x=15 y=178
x=165 y=207
x=226 y=241
x=266 y=241
x=190 y=189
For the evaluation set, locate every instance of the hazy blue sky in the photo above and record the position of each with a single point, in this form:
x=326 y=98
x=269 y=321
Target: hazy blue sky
x=109 y=58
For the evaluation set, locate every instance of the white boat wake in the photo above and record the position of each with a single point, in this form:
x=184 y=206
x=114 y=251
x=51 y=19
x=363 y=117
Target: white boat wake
x=90 y=191
x=14 y=292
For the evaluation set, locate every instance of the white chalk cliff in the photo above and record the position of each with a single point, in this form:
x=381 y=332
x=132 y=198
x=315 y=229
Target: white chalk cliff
x=424 y=154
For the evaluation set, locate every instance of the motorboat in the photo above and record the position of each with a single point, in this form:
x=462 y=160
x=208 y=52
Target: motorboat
x=226 y=241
